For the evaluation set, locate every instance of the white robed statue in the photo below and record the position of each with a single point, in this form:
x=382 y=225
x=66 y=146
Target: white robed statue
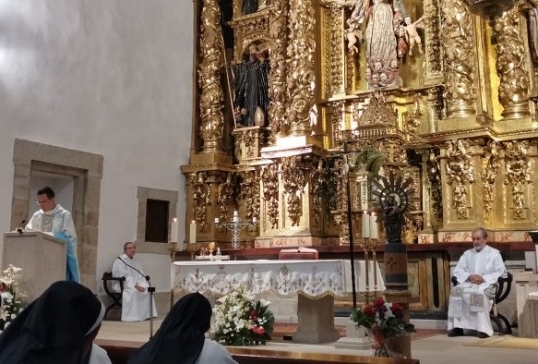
x=471 y=300
x=135 y=298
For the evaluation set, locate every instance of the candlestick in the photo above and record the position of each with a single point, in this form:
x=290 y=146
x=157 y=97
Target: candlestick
x=192 y=236
x=374 y=233
x=235 y=226
x=365 y=225
x=173 y=231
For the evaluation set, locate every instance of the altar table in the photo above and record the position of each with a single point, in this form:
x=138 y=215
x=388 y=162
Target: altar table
x=316 y=282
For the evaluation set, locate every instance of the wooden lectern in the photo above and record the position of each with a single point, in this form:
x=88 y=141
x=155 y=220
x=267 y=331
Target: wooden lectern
x=41 y=257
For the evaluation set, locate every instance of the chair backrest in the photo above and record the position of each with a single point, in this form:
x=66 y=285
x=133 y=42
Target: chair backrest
x=108 y=278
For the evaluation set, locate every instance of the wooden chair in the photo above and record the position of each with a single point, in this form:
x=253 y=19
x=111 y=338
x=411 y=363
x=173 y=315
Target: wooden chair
x=504 y=284
x=115 y=296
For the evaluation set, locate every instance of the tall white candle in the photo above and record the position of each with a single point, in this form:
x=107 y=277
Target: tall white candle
x=235 y=218
x=365 y=225
x=217 y=220
x=374 y=233
x=192 y=236
x=173 y=231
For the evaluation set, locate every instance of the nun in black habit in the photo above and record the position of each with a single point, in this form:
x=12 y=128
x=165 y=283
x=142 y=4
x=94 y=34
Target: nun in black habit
x=181 y=337
x=58 y=327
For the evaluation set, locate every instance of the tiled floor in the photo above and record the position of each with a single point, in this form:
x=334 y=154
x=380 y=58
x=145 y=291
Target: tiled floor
x=438 y=349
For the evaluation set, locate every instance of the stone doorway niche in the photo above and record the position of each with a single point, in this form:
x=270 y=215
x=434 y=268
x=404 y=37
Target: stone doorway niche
x=86 y=170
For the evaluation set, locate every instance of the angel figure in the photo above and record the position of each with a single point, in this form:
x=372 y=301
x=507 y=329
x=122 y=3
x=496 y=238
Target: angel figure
x=353 y=36
x=412 y=35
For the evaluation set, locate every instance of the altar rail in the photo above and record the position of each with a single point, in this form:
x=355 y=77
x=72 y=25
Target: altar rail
x=119 y=352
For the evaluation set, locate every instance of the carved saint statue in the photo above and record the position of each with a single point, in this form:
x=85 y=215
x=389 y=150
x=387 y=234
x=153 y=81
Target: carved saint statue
x=394 y=220
x=251 y=99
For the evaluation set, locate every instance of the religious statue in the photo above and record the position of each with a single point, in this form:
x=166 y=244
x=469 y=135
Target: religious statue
x=412 y=35
x=251 y=100
x=393 y=194
x=389 y=33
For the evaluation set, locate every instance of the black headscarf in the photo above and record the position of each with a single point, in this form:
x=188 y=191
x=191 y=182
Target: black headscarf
x=180 y=338
x=53 y=328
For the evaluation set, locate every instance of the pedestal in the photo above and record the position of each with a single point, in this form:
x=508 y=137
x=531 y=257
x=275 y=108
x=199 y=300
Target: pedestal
x=315 y=320
x=355 y=338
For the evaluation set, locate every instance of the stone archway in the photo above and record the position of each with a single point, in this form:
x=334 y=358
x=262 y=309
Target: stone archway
x=86 y=169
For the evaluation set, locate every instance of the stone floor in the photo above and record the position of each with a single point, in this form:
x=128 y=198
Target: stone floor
x=438 y=349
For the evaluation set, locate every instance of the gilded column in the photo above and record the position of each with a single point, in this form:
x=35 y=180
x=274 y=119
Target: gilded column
x=301 y=79
x=460 y=59
x=511 y=66
x=277 y=77
x=432 y=43
x=334 y=56
x=211 y=98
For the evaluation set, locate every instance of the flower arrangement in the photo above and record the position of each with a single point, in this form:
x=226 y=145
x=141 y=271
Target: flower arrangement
x=240 y=320
x=384 y=321
x=11 y=299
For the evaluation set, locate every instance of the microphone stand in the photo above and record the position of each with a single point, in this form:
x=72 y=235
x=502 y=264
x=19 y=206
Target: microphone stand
x=151 y=290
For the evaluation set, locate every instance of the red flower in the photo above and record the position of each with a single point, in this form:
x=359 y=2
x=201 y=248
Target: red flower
x=379 y=301
x=3 y=287
x=369 y=311
x=258 y=330
x=254 y=315
x=396 y=309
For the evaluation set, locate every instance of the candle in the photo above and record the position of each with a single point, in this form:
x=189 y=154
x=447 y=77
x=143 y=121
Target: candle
x=192 y=238
x=217 y=220
x=173 y=231
x=236 y=213
x=365 y=225
x=235 y=218
x=254 y=220
x=374 y=234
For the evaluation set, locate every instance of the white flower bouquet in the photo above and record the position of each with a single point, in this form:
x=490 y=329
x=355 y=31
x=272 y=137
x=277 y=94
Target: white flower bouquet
x=11 y=299
x=240 y=320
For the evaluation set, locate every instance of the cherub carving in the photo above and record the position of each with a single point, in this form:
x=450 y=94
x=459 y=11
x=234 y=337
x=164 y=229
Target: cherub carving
x=411 y=34
x=353 y=36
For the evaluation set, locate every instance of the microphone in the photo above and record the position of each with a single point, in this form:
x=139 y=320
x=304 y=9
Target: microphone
x=20 y=228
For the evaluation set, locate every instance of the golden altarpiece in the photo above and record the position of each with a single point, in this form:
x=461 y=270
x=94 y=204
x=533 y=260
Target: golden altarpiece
x=299 y=103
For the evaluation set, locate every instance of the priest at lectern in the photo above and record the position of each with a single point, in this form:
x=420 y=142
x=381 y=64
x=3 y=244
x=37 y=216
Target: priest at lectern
x=54 y=220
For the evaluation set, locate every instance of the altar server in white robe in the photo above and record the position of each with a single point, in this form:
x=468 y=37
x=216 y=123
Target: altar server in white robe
x=471 y=300
x=135 y=298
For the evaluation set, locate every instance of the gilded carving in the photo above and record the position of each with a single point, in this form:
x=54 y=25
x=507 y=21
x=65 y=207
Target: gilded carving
x=340 y=209
x=491 y=163
x=301 y=78
x=270 y=192
x=278 y=75
x=201 y=197
x=517 y=166
x=432 y=40
x=225 y=196
x=250 y=190
x=459 y=172
x=211 y=97
x=435 y=186
x=460 y=60
x=318 y=179
x=511 y=66
x=293 y=183
x=334 y=64
x=378 y=112
x=411 y=119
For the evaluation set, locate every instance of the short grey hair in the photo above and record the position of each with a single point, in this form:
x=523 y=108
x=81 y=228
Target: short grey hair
x=482 y=231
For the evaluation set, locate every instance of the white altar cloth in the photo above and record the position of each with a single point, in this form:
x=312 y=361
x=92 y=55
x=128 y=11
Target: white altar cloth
x=316 y=281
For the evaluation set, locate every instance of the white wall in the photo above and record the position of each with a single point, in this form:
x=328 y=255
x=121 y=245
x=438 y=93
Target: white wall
x=111 y=77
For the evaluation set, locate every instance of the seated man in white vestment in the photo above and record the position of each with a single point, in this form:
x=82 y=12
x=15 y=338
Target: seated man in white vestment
x=135 y=298
x=471 y=300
